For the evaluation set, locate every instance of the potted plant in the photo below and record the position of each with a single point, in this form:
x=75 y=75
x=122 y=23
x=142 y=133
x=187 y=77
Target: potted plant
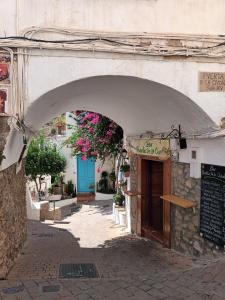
x=125 y=169
x=123 y=185
x=119 y=199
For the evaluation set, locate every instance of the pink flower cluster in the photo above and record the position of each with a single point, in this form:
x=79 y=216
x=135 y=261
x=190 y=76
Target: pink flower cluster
x=98 y=133
x=84 y=143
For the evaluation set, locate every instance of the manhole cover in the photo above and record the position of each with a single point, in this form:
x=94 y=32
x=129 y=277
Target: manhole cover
x=51 y=288
x=45 y=235
x=13 y=290
x=78 y=271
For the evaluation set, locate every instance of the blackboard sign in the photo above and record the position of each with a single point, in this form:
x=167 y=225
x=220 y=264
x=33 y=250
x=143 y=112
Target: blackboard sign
x=212 y=210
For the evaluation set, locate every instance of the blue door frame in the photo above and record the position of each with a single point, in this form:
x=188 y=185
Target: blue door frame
x=85 y=175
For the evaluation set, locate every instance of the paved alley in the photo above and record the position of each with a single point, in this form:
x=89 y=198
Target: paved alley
x=127 y=267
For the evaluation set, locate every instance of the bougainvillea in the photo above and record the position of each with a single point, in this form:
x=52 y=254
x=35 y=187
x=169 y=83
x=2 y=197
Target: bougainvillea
x=95 y=135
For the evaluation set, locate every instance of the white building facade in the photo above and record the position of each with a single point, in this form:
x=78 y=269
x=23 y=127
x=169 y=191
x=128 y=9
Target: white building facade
x=148 y=65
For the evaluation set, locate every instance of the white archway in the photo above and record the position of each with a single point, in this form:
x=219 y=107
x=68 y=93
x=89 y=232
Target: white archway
x=137 y=105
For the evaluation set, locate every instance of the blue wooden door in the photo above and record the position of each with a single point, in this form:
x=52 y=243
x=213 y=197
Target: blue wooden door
x=85 y=175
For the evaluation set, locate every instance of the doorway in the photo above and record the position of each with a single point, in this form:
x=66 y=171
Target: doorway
x=155 y=213
x=85 y=175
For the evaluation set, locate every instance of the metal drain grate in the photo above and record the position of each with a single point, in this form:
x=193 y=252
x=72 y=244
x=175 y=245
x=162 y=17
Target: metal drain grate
x=13 y=290
x=78 y=271
x=50 y=288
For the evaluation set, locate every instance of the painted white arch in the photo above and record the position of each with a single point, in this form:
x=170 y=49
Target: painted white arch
x=138 y=105
x=48 y=70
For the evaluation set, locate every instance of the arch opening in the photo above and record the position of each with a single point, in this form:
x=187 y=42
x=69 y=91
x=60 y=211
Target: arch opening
x=137 y=105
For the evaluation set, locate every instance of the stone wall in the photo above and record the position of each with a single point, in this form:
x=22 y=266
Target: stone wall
x=12 y=216
x=4 y=130
x=133 y=187
x=185 y=236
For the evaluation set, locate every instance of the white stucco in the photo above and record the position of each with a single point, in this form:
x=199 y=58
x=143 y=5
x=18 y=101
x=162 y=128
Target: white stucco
x=47 y=73
x=140 y=93
x=209 y=151
x=160 y=16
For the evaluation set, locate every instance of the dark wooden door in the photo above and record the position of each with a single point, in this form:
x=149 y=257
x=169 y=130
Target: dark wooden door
x=153 y=214
x=156 y=190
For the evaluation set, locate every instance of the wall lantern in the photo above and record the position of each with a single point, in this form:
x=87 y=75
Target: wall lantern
x=124 y=153
x=175 y=134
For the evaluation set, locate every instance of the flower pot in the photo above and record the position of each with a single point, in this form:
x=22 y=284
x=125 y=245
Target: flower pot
x=127 y=174
x=120 y=202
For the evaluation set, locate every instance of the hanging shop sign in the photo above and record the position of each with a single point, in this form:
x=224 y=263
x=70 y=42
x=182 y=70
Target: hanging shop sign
x=152 y=147
x=212 y=82
x=212 y=210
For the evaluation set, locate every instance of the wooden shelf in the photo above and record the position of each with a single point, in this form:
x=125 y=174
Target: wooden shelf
x=179 y=201
x=130 y=193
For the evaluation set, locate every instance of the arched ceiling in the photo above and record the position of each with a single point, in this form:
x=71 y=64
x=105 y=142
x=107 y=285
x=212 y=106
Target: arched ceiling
x=138 y=105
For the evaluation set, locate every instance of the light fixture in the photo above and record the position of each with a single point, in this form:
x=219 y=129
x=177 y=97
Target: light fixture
x=124 y=153
x=176 y=134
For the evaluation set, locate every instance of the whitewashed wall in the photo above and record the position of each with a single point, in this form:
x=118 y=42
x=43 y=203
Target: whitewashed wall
x=160 y=16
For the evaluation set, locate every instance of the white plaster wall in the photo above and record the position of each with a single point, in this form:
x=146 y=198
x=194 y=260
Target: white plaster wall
x=173 y=16
x=71 y=162
x=33 y=208
x=108 y=166
x=71 y=166
x=8 y=20
x=211 y=151
x=47 y=73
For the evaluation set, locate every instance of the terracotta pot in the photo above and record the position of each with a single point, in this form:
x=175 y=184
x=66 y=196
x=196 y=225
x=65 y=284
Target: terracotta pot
x=127 y=174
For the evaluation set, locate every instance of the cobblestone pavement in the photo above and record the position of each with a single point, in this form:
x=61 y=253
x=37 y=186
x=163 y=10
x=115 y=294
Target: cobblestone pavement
x=129 y=267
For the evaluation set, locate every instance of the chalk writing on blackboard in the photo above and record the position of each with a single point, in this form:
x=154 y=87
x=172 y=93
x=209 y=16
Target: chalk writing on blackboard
x=212 y=209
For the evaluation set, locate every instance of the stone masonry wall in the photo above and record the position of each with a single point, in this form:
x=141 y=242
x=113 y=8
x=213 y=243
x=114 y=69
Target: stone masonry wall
x=12 y=216
x=185 y=235
x=4 y=130
x=133 y=187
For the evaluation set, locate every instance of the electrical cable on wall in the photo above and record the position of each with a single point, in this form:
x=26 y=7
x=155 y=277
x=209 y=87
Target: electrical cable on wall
x=135 y=43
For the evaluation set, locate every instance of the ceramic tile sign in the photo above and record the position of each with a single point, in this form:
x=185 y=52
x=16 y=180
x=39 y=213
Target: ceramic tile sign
x=212 y=208
x=3 y=99
x=151 y=147
x=4 y=70
x=212 y=82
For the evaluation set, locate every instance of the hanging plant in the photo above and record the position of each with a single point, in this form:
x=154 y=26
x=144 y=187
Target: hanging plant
x=125 y=169
x=95 y=135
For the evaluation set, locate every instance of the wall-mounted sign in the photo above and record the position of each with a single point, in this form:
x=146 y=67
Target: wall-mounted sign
x=212 y=210
x=152 y=147
x=3 y=98
x=212 y=81
x=4 y=70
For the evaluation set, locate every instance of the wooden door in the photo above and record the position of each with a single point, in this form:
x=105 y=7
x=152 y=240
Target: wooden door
x=153 y=213
x=156 y=190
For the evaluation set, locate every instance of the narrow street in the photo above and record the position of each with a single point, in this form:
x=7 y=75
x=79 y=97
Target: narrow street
x=126 y=267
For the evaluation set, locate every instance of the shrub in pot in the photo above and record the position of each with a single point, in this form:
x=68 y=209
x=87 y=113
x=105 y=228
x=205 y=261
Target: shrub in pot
x=119 y=199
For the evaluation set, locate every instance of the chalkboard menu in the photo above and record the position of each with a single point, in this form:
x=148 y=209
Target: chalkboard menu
x=212 y=210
